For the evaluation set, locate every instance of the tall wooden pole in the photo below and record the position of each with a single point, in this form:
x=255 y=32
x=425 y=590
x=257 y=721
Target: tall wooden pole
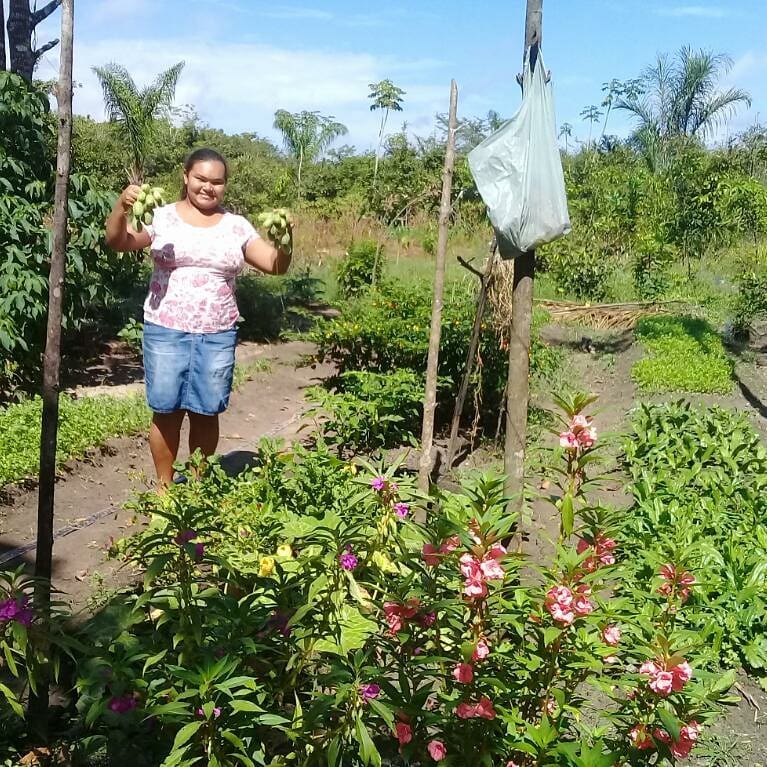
x=430 y=397
x=52 y=356
x=518 y=387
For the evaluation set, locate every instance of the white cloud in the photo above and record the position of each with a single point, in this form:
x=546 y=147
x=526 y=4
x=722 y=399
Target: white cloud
x=239 y=86
x=694 y=11
x=747 y=66
x=116 y=10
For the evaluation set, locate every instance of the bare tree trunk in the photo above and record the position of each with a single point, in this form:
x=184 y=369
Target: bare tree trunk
x=52 y=357
x=518 y=387
x=22 y=22
x=3 y=64
x=430 y=397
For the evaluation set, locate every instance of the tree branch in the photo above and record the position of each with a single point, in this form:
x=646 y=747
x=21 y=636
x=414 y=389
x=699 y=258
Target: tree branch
x=44 y=12
x=466 y=265
x=44 y=49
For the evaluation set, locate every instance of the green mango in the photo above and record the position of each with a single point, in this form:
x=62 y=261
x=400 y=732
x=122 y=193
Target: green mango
x=138 y=209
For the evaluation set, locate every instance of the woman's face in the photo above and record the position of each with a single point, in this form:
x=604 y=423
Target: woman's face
x=205 y=184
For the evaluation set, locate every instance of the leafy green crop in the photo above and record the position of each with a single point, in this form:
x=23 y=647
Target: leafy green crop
x=684 y=354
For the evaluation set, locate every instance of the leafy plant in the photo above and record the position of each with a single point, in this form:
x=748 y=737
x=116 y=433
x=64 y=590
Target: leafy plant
x=683 y=354
x=361 y=267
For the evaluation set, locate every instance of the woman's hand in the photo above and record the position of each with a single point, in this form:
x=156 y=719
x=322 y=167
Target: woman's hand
x=119 y=236
x=129 y=196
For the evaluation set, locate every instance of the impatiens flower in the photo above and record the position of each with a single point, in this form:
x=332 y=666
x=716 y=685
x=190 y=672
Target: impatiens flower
x=430 y=555
x=199 y=551
x=650 y=668
x=481 y=651
x=401 y=509
x=465 y=710
x=16 y=610
x=491 y=569
x=378 y=483
x=463 y=673
x=640 y=738
x=404 y=733
x=560 y=604
x=348 y=560
x=393 y=615
x=611 y=635
x=484 y=708
x=682 y=674
x=662 y=683
x=581 y=603
x=610 y=659
x=428 y=619
x=568 y=440
x=675 y=580
x=184 y=537
x=369 y=692
x=216 y=712
x=122 y=704
x=511 y=763
x=266 y=566
x=450 y=544
x=437 y=750
x=285 y=551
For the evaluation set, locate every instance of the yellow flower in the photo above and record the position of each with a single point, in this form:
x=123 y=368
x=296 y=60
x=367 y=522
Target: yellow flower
x=284 y=551
x=266 y=566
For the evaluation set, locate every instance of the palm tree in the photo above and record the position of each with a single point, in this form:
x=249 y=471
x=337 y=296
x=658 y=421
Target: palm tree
x=679 y=98
x=592 y=114
x=307 y=135
x=387 y=97
x=566 y=130
x=135 y=111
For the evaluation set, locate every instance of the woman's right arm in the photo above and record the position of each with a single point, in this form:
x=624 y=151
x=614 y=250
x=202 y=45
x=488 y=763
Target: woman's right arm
x=120 y=236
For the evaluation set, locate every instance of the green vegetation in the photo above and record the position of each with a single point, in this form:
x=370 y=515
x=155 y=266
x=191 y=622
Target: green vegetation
x=683 y=354
x=83 y=424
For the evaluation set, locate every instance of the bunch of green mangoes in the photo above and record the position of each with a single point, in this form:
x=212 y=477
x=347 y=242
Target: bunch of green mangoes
x=277 y=223
x=142 y=211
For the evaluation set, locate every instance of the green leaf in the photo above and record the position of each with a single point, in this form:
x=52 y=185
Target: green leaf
x=670 y=722
x=567 y=510
x=185 y=734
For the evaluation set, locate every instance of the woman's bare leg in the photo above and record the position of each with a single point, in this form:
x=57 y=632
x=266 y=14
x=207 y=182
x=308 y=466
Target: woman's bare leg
x=164 y=438
x=203 y=433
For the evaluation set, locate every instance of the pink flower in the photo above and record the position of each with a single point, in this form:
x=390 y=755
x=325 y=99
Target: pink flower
x=216 y=712
x=348 y=560
x=401 y=509
x=393 y=613
x=580 y=421
x=568 y=440
x=428 y=619
x=378 y=483
x=437 y=750
x=484 y=708
x=610 y=659
x=430 y=555
x=450 y=544
x=582 y=605
x=560 y=604
x=122 y=704
x=404 y=733
x=199 y=551
x=682 y=673
x=662 y=683
x=560 y=594
x=551 y=706
x=475 y=588
x=562 y=614
x=369 y=692
x=661 y=735
x=582 y=546
x=481 y=651
x=491 y=569
x=511 y=763
x=463 y=673
x=640 y=738
x=497 y=551
x=17 y=610
x=184 y=537
x=611 y=635
x=672 y=579
x=465 y=711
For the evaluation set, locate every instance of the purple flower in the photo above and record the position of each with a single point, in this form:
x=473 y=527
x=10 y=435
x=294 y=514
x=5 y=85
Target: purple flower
x=122 y=704
x=348 y=560
x=199 y=551
x=369 y=692
x=16 y=610
x=184 y=537
x=428 y=619
x=378 y=483
x=401 y=509
x=216 y=712
x=279 y=621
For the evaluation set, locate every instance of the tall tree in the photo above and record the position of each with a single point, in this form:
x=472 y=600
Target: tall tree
x=566 y=130
x=306 y=135
x=3 y=64
x=591 y=114
x=387 y=97
x=22 y=22
x=135 y=111
x=680 y=97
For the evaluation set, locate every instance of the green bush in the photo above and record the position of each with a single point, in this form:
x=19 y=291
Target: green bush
x=361 y=267
x=388 y=330
x=751 y=301
x=579 y=268
x=683 y=354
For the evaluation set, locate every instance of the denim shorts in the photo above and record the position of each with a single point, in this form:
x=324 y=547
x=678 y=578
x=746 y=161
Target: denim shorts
x=188 y=371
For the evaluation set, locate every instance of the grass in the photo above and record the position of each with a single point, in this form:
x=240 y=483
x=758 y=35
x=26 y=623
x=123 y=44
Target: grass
x=683 y=354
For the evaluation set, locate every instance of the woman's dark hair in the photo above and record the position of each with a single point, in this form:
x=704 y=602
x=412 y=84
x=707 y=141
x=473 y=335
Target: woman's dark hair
x=204 y=154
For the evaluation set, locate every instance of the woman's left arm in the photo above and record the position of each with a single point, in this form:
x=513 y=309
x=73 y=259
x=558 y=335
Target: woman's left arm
x=266 y=258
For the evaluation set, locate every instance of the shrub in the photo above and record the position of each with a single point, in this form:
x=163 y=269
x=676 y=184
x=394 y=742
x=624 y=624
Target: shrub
x=750 y=302
x=579 y=268
x=683 y=354
x=361 y=267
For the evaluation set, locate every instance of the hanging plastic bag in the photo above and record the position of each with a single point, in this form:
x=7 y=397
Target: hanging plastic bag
x=518 y=170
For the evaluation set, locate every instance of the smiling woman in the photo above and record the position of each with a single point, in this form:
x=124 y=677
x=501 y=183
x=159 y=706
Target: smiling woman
x=190 y=313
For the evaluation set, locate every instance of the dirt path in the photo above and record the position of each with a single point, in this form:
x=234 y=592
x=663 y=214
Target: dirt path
x=269 y=405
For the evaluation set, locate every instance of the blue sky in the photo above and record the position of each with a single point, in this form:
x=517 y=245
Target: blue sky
x=247 y=58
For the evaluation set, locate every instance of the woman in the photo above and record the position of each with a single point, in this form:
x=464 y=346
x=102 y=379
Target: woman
x=190 y=314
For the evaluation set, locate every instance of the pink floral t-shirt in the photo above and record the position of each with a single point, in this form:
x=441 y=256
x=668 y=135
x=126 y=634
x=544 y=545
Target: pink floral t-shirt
x=192 y=286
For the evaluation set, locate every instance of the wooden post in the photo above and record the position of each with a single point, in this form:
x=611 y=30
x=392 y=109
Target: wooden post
x=52 y=356
x=518 y=386
x=430 y=396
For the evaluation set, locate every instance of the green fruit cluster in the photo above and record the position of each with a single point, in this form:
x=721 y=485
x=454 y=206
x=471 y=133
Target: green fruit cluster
x=142 y=211
x=277 y=224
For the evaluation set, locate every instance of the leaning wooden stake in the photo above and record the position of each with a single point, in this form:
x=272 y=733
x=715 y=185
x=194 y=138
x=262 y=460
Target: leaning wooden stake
x=430 y=396
x=518 y=386
x=484 y=281
x=52 y=357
